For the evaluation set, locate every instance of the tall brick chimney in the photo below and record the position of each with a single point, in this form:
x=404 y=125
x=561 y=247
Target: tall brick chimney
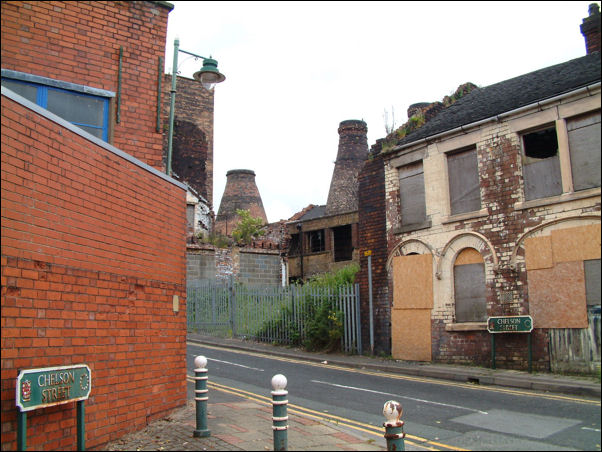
x=351 y=156
x=241 y=192
x=590 y=29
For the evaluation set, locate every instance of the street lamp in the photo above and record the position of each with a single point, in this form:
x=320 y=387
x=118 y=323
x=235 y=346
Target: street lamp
x=208 y=76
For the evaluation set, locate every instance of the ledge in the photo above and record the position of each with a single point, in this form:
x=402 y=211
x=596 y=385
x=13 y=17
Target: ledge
x=465 y=216
x=412 y=227
x=467 y=326
x=566 y=197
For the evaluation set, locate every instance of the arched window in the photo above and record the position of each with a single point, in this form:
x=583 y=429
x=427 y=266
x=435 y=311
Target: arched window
x=469 y=287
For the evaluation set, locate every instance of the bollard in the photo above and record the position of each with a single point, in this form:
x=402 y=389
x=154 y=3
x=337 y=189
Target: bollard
x=200 y=397
x=394 y=433
x=279 y=412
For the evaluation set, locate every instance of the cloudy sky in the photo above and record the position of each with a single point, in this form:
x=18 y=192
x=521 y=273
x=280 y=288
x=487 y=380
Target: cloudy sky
x=295 y=70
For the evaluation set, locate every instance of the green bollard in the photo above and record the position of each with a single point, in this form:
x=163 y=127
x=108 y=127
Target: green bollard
x=394 y=433
x=279 y=412
x=200 y=391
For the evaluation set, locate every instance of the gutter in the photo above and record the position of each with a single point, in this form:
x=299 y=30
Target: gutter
x=465 y=128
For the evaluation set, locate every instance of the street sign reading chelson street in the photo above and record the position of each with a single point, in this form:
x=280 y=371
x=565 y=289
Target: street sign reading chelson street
x=510 y=324
x=39 y=388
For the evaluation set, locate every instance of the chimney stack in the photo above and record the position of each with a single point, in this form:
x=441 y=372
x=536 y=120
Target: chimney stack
x=240 y=193
x=590 y=29
x=352 y=153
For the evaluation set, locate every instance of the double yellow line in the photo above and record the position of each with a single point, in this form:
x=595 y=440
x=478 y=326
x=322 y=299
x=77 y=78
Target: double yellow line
x=340 y=421
x=394 y=376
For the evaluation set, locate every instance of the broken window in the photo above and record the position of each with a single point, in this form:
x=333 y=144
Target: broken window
x=343 y=246
x=584 y=148
x=541 y=164
x=411 y=192
x=463 y=171
x=315 y=242
x=294 y=245
x=469 y=287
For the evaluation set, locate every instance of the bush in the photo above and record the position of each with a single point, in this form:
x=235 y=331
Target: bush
x=323 y=321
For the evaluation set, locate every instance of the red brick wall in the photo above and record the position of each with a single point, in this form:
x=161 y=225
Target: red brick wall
x=93 y=250
x=79 y=42
x=373 y=237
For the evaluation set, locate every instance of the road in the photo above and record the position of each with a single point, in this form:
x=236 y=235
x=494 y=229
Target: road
x=439 y=414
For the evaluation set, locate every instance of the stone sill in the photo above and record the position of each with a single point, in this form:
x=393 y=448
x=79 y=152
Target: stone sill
x=566 y=197
x=412 y=227
x=468 y=326
x=465 y=216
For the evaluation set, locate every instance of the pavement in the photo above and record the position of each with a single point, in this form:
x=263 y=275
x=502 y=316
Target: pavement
x=237 y=422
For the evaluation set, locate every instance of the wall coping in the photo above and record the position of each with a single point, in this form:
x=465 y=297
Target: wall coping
x=103 y=144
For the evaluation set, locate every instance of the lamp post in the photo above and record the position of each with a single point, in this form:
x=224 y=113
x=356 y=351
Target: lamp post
x=208 y=76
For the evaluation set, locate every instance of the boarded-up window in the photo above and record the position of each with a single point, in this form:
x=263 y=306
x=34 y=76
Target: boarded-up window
x=592 y=282
x=584 y=147
x=411 y=188
x=541 y=164
x=469 y=287
x=463 y=174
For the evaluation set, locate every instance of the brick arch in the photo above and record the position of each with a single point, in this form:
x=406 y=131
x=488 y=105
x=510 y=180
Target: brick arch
x=516 y=259
x=407 y=247
x=466 y=240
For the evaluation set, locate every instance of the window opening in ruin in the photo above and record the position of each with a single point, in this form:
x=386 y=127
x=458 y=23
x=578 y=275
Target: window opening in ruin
x=541 y=164
x=584 y=148
x=343 y=246
x=463 y=174
x=315 y=241
x=469 y=287
x=294 y=245
x=411 y=192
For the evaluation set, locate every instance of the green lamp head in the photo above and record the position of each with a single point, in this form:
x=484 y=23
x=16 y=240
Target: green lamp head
x=209 y=75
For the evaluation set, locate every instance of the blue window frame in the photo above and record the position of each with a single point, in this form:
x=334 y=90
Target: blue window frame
x=87 y=111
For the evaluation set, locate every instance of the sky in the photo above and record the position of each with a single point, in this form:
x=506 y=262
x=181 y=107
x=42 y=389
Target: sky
x=295 y=70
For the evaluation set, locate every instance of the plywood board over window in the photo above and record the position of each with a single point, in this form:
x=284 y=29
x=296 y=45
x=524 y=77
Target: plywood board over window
x=411 y=334
x=412 y=194
x=584 y=148
x=463 y=172
x=412 y=304
x=557 y=296
x=413 y=281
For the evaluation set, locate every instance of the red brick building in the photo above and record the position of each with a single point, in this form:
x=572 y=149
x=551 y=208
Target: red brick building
x=492 y=208
x=93 y=232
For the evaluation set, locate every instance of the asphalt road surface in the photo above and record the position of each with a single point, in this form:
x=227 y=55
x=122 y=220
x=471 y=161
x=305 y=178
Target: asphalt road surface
x=438 y=414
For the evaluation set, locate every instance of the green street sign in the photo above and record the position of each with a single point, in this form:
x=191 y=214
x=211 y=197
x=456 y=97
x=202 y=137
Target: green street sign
x=510 y=324
x=40 y=388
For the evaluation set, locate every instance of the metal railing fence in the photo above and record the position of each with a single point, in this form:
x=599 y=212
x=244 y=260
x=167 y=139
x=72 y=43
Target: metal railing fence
x=271 y=313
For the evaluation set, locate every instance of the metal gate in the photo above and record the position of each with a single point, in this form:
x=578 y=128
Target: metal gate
x=269 y=313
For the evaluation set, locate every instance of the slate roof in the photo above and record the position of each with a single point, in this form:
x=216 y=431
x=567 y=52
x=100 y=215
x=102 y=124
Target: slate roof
x=315 y=212
x=482 y=103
